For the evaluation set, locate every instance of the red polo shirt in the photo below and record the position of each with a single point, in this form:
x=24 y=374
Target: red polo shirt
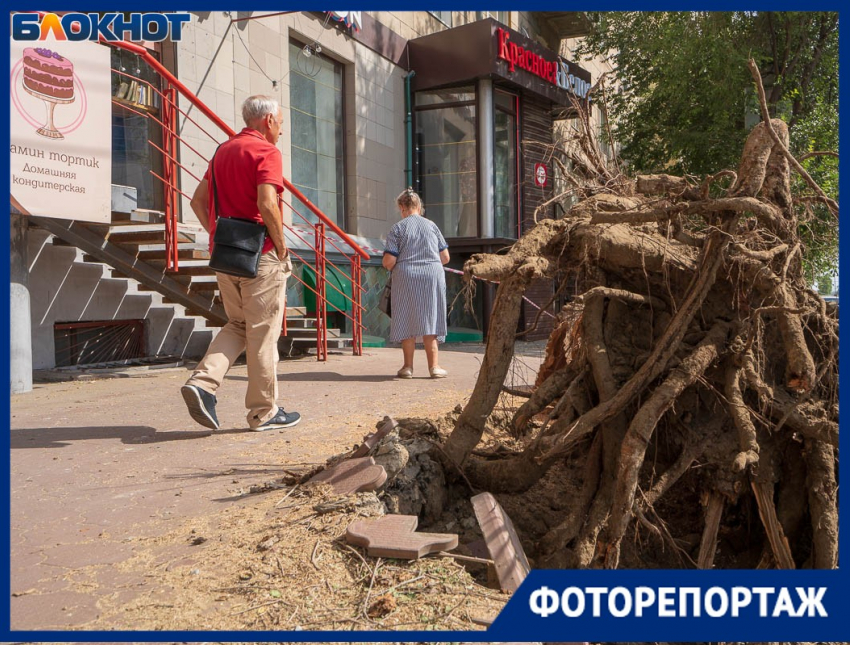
x=241 y=164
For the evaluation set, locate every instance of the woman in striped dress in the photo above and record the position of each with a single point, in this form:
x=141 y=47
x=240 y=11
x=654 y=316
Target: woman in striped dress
x=415 y=253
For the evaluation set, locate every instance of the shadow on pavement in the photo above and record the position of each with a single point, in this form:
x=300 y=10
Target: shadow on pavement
x=326 y=376
x=60 y=437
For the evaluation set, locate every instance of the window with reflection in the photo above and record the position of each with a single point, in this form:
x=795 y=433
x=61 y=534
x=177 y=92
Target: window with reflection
x=444 y=17
x=505 y=165
x=316 y=110
x=133 y=100
x=446 y=159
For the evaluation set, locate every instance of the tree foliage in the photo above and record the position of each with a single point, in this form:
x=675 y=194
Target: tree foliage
x=686 y=102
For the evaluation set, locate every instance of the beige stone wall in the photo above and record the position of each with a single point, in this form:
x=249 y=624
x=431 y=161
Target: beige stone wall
x=224 y=66
x=411 y=24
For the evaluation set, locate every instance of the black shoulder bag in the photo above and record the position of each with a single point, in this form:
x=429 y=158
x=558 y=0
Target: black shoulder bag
x=237 y=243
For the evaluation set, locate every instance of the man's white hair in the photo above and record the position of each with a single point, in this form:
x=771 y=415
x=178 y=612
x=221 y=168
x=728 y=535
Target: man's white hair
x=256 y=107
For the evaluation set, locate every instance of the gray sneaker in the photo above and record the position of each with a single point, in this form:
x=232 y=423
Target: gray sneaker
x=201 y=405
x=282 y=419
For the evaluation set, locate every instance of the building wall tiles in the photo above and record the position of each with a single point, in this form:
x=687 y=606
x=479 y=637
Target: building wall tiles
x=373 y=98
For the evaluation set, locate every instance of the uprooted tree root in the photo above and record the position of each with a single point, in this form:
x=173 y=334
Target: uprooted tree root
x=694 y=322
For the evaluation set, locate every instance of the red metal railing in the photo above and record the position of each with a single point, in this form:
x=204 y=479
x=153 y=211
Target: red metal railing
x=168 y=121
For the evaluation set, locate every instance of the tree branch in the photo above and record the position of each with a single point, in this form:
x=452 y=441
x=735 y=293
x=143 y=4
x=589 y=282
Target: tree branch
x=832 y=204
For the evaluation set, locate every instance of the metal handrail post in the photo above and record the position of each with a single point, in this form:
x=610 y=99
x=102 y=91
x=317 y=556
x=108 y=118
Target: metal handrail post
x=321 y=307
x=172 y=165
x=167 y=192
x=357 y=328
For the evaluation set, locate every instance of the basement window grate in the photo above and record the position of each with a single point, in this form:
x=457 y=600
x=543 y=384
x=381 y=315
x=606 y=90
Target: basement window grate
x=98 y=341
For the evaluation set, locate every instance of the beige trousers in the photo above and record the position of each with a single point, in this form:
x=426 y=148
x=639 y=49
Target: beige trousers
x=255 y=308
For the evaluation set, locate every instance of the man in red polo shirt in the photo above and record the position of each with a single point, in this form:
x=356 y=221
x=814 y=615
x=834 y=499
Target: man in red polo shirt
x=248 y=173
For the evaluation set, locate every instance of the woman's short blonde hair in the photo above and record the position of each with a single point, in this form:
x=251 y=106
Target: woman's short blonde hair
x=410 y=201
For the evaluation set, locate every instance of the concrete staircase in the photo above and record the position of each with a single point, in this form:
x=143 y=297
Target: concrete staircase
x=133 y=246
x=73 y=290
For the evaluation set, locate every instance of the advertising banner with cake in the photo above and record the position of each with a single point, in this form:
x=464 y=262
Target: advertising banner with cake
x=61 y=139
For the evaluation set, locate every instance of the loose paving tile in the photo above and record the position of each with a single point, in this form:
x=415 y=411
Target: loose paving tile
x=371 y=440
x=502 y=541
x=352 y=476
x=395 y=536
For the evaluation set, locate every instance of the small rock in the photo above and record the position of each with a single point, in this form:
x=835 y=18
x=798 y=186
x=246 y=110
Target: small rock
x=268 y=543
x=198 y=540
x=382 y=606
x=393 y=457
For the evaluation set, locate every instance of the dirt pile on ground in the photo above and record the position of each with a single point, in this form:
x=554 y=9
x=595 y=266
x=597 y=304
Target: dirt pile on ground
x=282 y=562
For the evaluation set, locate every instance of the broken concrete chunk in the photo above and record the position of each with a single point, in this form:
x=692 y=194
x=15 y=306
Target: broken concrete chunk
x=502 y=542
x=395 y=536
x=371 y=440
x=352 y=476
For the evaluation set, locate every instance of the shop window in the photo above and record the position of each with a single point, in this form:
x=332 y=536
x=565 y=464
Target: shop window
x=444 y=17
x=446 y=159
x=316 y=108
x=133 y=158
x=505 y=165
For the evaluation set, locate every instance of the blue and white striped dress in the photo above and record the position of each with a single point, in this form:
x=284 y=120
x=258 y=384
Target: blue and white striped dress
x=419 y=283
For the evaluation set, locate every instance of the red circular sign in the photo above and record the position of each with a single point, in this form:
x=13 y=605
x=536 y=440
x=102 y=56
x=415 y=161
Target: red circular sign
x=541 y=174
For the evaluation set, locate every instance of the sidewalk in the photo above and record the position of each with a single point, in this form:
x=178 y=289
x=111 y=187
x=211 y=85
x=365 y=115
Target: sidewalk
x=95 y=464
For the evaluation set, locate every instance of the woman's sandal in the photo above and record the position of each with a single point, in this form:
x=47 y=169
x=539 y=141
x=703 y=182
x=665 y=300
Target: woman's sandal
x=438 y=372
x=405 y=372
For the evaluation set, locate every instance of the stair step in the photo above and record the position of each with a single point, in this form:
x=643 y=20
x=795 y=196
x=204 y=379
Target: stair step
x=201 y=314
x=214 y=298
x=310 y=333
x=195 y=283
x=202 y=286
x=138 y=216
x=182 y=279
x=296 y=311
x=299 y=322
x=191 y=265
x=202 y=270
x=153 y=236
x=182 y=254
x=333 y=343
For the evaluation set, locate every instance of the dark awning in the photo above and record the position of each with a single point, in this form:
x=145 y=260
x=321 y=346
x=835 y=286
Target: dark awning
x=489 y=49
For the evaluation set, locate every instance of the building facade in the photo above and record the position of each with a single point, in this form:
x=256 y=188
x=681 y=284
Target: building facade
x=463 y=106
x=460 y=105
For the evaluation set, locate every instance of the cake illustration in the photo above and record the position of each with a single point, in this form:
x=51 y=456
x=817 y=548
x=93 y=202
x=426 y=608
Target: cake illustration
x=48 y=73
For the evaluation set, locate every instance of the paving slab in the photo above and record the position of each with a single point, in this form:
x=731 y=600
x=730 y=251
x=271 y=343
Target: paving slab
x=502 y=542
x=352 y=476
x=395 y=536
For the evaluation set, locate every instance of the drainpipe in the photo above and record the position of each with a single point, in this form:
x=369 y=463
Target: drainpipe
x=408 y=129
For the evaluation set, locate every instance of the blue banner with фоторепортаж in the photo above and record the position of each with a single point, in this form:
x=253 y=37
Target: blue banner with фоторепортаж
x=672 y=605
